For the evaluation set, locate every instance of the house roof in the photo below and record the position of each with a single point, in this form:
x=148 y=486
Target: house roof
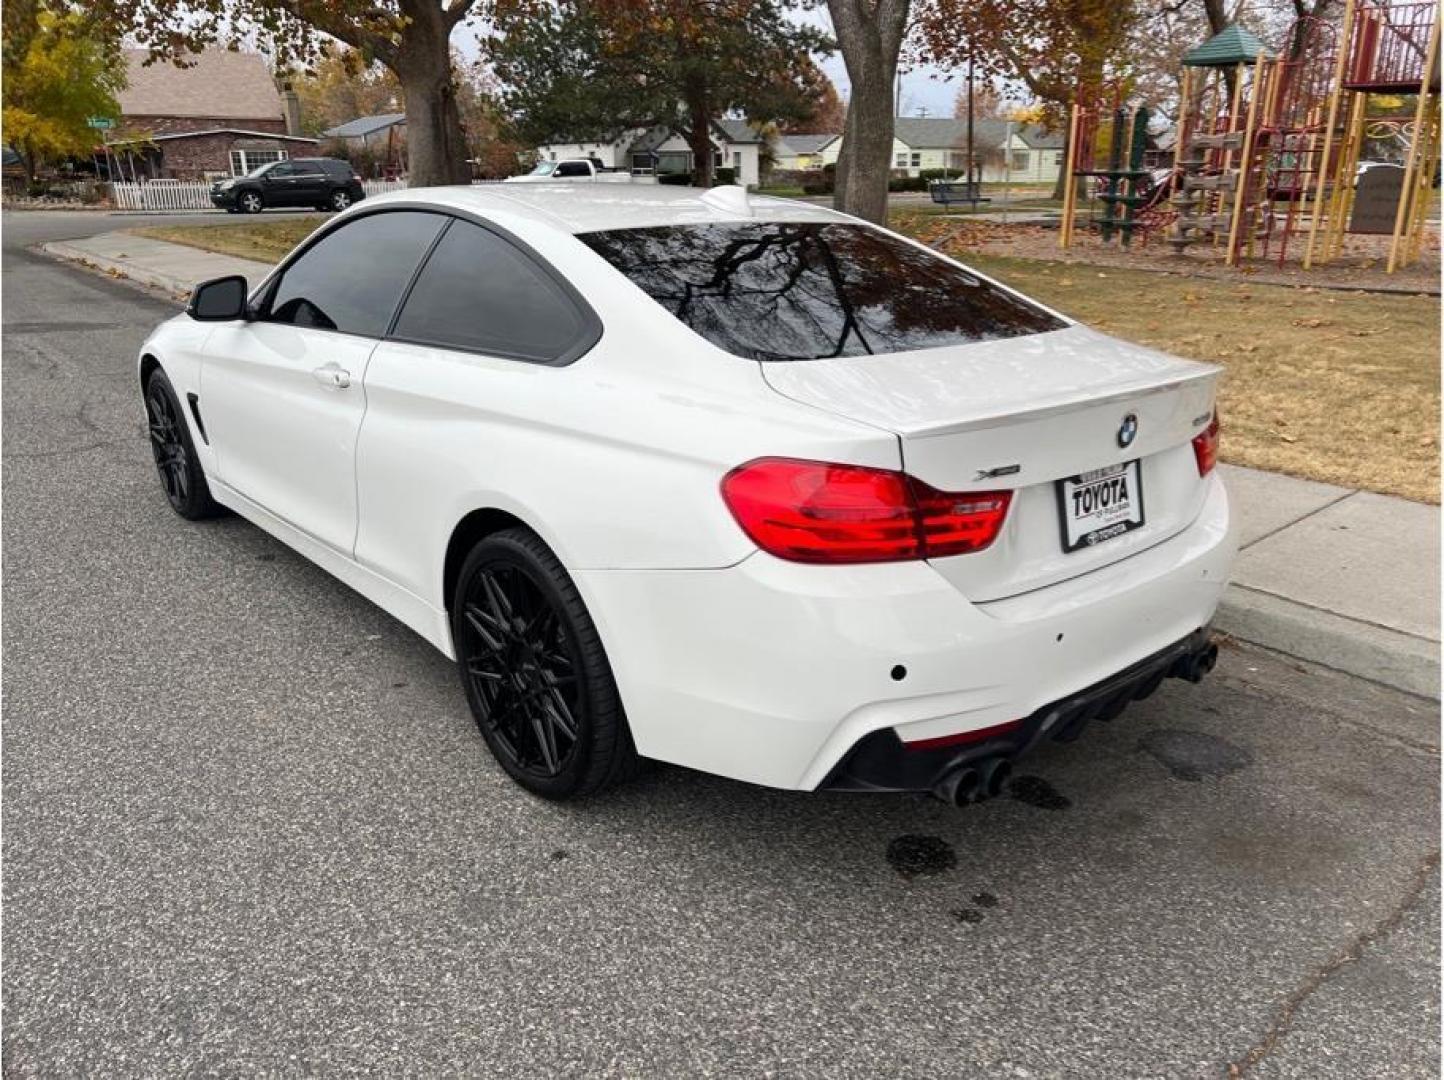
x=221 y=84
x=952 y=133
x=214 y=131
x=364 y=125
x=650 y=139
x=737 y=131
x=1231 y=45
x=805 y=144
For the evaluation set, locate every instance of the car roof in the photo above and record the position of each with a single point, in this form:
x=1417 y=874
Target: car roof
x=581 y=208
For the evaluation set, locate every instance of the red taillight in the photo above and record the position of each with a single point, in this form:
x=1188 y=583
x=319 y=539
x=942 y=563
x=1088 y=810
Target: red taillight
x=1205 y=446
x=815 y=512
x=962 y=737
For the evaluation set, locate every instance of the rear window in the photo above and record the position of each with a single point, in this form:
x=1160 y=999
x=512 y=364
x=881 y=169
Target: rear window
x=809 y=290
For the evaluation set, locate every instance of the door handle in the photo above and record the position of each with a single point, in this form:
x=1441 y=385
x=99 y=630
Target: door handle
x=332 y=376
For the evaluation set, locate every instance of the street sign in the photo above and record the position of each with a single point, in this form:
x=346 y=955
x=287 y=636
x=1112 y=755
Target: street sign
x=101 y=122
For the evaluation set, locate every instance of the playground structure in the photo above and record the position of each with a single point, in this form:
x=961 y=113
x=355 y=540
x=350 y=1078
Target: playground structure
x=1269 y=142
x=1392 y=49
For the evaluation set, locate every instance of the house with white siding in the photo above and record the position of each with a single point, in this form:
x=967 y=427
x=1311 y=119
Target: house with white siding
x=663 y=151
x=1022 y=153
x=800 y=153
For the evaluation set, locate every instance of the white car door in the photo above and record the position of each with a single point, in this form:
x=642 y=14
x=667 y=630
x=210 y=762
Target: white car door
x=455 y=392
x=282 y=394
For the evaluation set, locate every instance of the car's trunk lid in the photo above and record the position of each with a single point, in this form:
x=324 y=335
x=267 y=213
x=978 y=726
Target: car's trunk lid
x=1023 y=414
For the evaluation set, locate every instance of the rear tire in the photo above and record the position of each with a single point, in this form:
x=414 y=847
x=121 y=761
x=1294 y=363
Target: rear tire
x=340 y=200
x=534 y=670
x=181 y=476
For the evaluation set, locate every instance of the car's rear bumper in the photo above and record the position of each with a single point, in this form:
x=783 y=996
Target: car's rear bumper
x=881 y=761
x=773 y=672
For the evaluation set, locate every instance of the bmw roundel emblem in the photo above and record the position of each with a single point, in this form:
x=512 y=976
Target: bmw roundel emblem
x=1128 y=430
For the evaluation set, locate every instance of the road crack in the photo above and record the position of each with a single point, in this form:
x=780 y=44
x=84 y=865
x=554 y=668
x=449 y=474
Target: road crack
x=1350 y=953
x=69 y=451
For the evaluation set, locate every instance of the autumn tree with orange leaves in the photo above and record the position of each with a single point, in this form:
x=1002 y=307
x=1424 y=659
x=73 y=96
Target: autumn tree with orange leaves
x=1056 y=48
x=826 y=111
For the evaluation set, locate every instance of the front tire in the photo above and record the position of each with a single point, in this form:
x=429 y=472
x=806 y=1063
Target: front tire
x=535 y=674
x=181 y=476
x=250 y=202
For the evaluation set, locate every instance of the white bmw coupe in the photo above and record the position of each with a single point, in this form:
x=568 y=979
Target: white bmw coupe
x=733 y=482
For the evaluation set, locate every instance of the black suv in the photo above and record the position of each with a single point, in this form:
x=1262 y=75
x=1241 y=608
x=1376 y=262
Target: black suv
x=323 y=183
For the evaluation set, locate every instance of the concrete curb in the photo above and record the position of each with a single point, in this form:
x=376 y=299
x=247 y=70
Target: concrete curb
x=170 y=283
x=1395 y=659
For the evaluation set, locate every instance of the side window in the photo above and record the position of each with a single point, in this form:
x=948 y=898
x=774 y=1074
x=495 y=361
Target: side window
x=479 y=292
x=353 y=279
x=286 y=168
x=573 y=168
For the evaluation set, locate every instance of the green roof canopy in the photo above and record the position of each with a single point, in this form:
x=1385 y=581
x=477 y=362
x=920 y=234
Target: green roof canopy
x=1231 y=45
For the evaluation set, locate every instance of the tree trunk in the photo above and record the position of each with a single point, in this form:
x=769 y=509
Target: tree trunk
x=870 y=40
x=435 y=145
x=699 y=138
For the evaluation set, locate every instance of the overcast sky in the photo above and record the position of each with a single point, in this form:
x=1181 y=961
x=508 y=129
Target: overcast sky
x=922 y=89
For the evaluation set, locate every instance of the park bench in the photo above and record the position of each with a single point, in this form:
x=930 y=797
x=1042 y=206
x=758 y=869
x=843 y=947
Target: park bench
x=947 y=192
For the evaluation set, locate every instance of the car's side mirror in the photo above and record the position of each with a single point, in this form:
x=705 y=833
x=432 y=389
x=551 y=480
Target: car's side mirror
x=218 y=300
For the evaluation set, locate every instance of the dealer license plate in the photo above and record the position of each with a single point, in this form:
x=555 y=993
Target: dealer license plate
x=1099 y=505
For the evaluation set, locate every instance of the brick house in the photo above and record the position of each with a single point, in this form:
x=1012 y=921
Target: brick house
x=222 y=116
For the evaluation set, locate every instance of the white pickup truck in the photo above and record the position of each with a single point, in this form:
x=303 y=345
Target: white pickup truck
x=577 y=170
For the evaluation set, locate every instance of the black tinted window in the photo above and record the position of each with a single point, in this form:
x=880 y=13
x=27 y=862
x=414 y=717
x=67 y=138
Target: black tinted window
x=806 y=290
x=353 y=279
x=480 y=292
x=572 y=168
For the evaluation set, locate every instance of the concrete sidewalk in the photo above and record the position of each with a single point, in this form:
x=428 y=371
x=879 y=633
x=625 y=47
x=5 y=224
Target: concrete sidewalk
x=172 y=268
x=1344 y=578
x=1348 y=579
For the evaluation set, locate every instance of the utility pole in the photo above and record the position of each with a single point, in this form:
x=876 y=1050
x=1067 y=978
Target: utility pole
x=1007 y=166
x=970 y=118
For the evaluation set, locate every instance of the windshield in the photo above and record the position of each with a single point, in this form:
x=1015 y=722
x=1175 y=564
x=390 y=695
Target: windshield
x=260 y=170
x=809 y=290
x=543 y=168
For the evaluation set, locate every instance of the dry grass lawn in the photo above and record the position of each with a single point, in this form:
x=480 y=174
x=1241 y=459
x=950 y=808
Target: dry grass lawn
x=265 y=239
x=1336 y=386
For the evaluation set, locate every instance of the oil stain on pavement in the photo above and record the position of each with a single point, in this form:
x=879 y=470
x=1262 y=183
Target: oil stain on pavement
x=1035 y=791
x=1192 y=755
x=921 y=856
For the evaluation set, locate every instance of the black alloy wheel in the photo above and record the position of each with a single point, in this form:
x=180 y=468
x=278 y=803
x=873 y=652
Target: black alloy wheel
x=181 y=476
x=534 y=671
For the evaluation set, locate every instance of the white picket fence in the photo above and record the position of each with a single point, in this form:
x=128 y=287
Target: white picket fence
x=166 y=196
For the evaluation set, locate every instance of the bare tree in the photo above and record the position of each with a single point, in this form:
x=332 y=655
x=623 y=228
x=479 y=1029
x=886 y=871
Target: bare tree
x=870 y=34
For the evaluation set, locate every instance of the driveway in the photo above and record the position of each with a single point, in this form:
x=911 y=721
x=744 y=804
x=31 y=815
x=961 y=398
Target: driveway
x=250 y=827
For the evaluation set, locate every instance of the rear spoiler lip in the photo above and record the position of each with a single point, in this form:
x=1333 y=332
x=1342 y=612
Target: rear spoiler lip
x=1084 y=399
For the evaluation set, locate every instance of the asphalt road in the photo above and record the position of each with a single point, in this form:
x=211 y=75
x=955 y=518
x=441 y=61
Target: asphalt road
x=249 y=827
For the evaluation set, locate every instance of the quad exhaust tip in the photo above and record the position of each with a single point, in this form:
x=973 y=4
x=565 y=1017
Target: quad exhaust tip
x=977 y=781
x=974 y=783
x=1195 y=666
